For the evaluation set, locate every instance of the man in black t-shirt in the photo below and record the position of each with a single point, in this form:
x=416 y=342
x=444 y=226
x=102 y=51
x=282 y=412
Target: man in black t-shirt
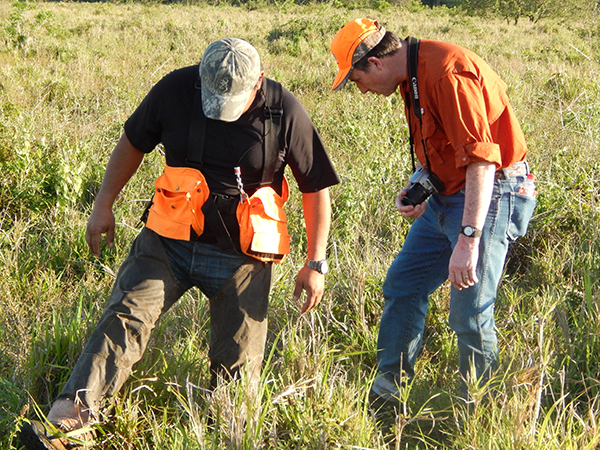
x=161 y=265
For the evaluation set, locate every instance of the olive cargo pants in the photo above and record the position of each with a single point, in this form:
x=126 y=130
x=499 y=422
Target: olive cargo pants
x=156 y=273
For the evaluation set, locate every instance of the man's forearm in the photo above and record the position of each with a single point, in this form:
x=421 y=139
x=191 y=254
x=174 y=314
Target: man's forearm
x=462 y=270
x=123 y=163
x=478 y=193
x=317 y=216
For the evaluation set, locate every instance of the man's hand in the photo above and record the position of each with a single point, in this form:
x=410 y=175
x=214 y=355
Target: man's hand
x=313 y=283
x=409 y=211
x=101 y=221
x=463 y=263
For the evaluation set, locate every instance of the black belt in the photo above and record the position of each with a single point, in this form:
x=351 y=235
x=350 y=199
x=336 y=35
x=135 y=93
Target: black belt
x=226 y=204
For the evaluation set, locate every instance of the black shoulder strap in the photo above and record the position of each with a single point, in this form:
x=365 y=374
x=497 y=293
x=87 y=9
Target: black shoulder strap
x=413 y=63
x=413 y=98
x=273 y=143
x=197 y=133
x=195 y=150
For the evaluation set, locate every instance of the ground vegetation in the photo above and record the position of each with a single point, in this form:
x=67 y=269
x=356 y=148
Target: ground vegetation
x=71 y=73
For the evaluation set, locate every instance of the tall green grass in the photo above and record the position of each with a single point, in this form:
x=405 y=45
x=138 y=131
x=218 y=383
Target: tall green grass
x=71 y=73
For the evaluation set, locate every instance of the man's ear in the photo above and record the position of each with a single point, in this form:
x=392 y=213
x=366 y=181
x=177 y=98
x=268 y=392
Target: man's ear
x=260 y=79
x=375 y=61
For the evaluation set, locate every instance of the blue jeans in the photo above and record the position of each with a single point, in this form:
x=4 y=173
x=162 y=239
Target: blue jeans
x=200 y=264
x=422 y=266
x=155 y=274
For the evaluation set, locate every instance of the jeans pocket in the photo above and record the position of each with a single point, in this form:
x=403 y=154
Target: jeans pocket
x=522 y=206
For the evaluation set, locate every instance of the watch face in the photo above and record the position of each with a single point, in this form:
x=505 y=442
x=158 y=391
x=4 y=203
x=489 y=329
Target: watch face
x=470 y=231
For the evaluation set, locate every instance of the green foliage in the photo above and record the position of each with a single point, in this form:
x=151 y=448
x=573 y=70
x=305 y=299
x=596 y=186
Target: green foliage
x=16 y=28
x=37 y=176
x=10 y=402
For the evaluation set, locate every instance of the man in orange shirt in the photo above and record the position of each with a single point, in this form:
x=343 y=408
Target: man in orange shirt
x=471 y=194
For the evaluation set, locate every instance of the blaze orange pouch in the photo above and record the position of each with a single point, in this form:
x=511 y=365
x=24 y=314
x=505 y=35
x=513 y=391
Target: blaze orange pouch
x=178 y=198
x=263 y=224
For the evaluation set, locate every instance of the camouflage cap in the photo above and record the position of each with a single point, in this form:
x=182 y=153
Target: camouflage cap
x=229 y=70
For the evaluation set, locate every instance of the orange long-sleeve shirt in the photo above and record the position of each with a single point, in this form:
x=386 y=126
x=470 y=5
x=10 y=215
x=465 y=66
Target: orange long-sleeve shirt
x=465 y=112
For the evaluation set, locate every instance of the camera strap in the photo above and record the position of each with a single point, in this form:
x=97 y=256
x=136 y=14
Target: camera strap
x=412 y=99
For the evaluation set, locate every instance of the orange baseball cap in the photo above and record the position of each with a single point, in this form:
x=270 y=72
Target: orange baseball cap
x=351 y=43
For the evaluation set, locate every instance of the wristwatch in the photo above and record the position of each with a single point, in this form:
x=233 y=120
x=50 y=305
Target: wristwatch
x=320 y=266
x=470 y=231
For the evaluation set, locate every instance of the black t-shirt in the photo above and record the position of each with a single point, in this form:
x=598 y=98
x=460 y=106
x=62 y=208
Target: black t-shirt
x=164 y=116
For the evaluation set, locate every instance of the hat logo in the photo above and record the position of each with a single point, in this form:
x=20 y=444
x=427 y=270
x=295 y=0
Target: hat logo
x=224 y=85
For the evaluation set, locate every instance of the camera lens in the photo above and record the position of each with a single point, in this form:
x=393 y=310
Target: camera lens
x=416 y=195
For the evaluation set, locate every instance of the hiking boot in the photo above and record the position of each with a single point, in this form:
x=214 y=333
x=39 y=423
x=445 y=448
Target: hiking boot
x=67 y=427
x=34 y=435
x=385 y=412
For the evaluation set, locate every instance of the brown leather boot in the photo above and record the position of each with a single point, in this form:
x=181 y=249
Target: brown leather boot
x=60 y=432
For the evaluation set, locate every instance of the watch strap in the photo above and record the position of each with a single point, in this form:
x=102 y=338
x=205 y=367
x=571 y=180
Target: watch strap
x=320 y=266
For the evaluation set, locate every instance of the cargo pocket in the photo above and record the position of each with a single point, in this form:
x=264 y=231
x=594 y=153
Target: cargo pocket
x=177 y=204
x=263 y=226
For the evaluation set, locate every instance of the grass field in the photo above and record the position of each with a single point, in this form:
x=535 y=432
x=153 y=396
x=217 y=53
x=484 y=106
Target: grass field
x=71 y=73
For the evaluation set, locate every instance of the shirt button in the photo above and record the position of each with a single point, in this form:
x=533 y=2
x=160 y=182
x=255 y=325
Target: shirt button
x=464 y=158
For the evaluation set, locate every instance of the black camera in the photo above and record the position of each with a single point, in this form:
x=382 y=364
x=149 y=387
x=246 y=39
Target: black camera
x=422 y=184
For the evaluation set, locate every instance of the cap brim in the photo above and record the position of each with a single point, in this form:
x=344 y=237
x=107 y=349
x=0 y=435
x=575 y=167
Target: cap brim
x=227 y=108
x=341 y=79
